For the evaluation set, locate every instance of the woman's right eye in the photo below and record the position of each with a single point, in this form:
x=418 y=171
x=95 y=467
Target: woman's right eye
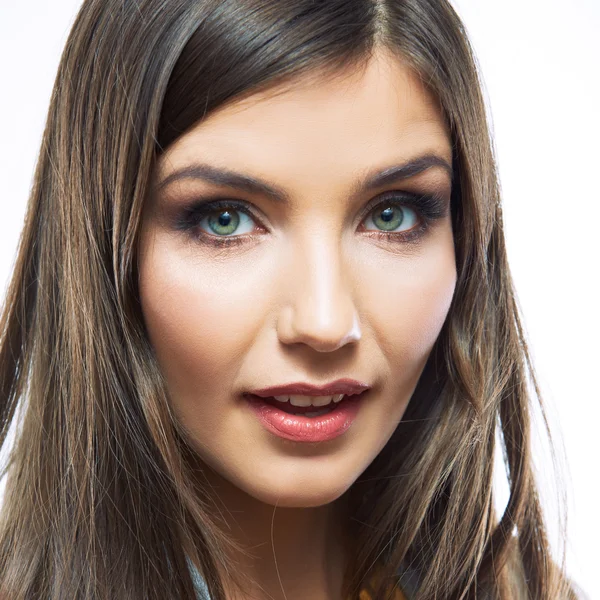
x=213 y=221
x=226 y=221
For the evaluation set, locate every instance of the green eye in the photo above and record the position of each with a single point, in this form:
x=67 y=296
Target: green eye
x=225 y=221
x=392 y=217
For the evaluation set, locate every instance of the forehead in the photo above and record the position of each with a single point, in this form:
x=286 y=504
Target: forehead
x=356 y=119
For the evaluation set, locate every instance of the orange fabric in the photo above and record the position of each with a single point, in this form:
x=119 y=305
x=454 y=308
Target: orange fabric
x=366 y=594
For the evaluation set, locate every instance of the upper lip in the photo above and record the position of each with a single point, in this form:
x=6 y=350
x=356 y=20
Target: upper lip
x=349 y=387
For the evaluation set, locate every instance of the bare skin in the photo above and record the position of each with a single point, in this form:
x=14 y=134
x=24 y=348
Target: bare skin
x=279 y=306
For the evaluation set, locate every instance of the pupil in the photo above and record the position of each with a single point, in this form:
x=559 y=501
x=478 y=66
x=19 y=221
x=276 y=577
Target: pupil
x=387 y=214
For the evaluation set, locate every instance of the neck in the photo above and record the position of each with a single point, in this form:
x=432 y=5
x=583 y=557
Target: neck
x=290 y=553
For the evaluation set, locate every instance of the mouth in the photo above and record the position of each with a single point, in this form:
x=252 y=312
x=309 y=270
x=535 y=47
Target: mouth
x=283 y=416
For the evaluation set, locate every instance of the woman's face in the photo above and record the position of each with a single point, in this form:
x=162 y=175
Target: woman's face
x=292 y=277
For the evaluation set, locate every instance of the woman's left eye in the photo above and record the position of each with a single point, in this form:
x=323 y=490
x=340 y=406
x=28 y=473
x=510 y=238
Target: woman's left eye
x=390 y=217
x=398 y=217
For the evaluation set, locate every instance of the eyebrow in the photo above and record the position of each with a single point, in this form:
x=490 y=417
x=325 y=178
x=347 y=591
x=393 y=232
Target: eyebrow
x=246 y=183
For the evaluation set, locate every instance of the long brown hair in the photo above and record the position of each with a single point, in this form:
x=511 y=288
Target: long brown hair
x=100 y=499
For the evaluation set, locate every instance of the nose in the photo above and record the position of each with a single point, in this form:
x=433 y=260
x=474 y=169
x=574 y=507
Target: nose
x=321 y=311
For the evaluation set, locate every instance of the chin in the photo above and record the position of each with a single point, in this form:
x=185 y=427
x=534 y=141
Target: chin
x=298 y=494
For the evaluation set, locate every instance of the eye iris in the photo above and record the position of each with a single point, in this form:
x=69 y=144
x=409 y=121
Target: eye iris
x=225 y=219
x=390 y=222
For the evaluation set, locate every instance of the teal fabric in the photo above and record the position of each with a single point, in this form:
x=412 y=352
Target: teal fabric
x=199 y=583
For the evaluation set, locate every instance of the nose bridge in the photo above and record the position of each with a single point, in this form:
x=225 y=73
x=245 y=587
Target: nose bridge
x=321 y=302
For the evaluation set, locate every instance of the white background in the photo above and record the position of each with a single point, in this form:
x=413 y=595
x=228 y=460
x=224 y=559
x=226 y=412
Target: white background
x=540 y=63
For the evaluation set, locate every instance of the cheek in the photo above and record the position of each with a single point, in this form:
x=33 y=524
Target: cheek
x=407 y=300
x=198 y=319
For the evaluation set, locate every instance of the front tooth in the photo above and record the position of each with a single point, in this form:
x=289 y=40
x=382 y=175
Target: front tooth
x=322 y=400
x=301 y=400
x=338 y=398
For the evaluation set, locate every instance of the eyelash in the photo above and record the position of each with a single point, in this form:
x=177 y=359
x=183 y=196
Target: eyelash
x=428 y=208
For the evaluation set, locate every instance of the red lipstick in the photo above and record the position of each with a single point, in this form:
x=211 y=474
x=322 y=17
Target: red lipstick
x=277 y=418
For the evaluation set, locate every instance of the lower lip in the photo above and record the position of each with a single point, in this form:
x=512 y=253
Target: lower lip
x=307 y=429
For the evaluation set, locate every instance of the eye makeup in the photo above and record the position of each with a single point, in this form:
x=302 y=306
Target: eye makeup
x=428 y=208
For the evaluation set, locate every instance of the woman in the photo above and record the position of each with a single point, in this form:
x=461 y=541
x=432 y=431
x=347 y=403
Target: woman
x=261 y=326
